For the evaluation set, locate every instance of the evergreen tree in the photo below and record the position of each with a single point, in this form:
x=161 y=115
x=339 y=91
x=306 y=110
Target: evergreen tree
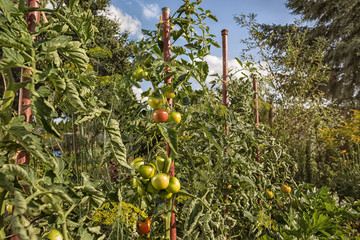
x=339 y=23
x=111 y=51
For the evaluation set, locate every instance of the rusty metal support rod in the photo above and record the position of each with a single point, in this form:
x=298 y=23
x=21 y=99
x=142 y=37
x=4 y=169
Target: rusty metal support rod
x=166 y=25
x=224 y=34
x=256 y=111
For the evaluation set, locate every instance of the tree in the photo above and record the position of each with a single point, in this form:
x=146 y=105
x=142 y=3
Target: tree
x=338 y=22
x=111 y=49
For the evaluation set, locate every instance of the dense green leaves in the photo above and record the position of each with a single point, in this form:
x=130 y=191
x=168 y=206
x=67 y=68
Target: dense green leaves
x=114 y=147
x=335 y=22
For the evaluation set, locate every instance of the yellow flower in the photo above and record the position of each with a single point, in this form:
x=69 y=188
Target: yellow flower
x=343 y=151
x=181 y=198
x=127 y=213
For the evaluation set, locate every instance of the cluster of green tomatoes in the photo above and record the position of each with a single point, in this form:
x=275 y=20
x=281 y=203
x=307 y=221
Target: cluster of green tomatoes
x=152 y=178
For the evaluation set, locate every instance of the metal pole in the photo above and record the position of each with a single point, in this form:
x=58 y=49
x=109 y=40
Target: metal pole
x=256 y=111
x=224 y=34
x=167 y=55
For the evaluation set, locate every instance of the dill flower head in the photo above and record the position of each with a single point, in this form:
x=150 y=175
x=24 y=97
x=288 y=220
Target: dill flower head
x=127 y=213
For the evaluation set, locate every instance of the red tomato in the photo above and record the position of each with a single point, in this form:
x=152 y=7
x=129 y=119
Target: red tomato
x=143 y=226
x=160 y=115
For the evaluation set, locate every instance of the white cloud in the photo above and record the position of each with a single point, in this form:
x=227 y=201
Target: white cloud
x=127 y=23
x=138 y=92
x=49 y=5
x=215 y=65
x=151 y=10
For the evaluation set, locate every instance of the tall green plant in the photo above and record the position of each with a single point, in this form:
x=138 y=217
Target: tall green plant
x=43 y=195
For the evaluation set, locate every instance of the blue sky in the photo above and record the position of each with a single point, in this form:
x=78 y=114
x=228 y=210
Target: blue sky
x=135 y=15
x=145 y=14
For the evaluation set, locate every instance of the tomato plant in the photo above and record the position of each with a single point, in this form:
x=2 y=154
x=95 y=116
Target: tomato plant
x=156 y=101
x=141 y=191
x=169 y=92
x=175 y=117
x=285 y=188
x=160 y=115
x=147 y=171
x=159 y=162
x=143 y=226
x=174 y=185
x=9 y=208
x=160 y=181
x=54 y=234
x=137 y=162
x=136 y=182
x=270 y=194
x=164 y=194
x=150 y=188
x=139 y=73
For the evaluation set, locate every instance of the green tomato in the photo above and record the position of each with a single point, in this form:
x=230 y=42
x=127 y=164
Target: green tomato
x=156 y=101
x=148 y=62
x=139 y=73
x=136 y=182
x=144 y=180
x=54 y=234
x=169 y=92
x=9 y=208
x=160 y=181
x=164 y=194
x=137 y=162
x=46 y=199
x=141 y=191
x=151 y=189
x=175 y=117
x=159 y=162
x=174 y=185
x=147 y=171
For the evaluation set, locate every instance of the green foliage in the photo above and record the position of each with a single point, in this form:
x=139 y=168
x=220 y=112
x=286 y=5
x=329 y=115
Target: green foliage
x=59 y=78
x=86 y=193
x=310 y=213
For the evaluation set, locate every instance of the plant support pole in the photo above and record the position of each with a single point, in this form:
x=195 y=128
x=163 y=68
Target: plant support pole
x=224 y=34
x=256 y=111
x=24 y=107
x=167 y=56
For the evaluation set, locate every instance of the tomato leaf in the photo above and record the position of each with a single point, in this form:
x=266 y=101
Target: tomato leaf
x=25 y=172
x=115 y=147
x=211 y=138
x=44 y=112
x=73 y=95
x=170 y=136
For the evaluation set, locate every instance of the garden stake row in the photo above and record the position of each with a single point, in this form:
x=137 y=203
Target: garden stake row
x=170 y=228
